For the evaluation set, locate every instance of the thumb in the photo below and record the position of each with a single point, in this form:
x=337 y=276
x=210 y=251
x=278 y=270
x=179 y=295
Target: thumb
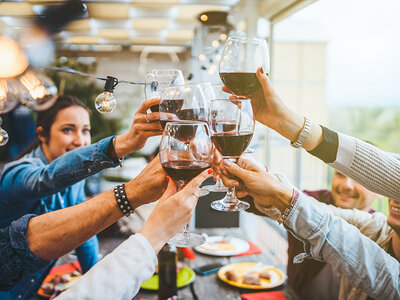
x=171 y=189
x=234 y=169
x=264 y=80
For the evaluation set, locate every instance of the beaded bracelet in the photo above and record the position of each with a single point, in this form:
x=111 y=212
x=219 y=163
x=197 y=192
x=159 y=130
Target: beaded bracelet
x=122 y=200
x=293 y=200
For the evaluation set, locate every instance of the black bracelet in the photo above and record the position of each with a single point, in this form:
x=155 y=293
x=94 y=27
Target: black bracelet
x=122 y=200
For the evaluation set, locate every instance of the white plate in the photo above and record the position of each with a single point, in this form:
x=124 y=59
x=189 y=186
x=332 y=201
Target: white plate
x=212 y=247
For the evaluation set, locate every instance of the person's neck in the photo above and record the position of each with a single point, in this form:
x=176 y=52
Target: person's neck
x=46 y=153
x=396 y=245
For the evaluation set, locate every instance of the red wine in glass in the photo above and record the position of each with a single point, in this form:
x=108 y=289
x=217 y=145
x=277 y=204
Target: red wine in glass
x=241 y=83
x=232 y=144
x=184 y=170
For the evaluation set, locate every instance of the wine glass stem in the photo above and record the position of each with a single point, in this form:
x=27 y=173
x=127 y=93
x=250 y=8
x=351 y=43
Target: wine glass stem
x=186 y=232
x=231 y=198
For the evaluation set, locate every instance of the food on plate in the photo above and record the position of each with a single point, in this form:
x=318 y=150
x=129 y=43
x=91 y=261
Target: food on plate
x=232 y=275
x=251 y=278
x=60 y=283
x=265 y=275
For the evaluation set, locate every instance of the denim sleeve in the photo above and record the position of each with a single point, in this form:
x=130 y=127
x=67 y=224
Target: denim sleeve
x=329 y=238
x=88 y=253
x=16 y=259
x=26 y=179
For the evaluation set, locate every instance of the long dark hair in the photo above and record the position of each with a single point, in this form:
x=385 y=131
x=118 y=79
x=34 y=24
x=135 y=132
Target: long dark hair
x=45 y=118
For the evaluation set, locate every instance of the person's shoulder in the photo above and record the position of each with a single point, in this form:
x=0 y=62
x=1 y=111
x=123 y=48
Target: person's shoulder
x=320 y=195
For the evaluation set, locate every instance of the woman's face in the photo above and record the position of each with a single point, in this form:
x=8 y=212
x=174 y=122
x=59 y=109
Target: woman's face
x=70 y=130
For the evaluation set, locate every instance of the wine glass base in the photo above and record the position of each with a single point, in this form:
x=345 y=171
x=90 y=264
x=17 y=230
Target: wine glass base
x=204 y=192
x=194 y=239
x=221 y=205
x=215 y=188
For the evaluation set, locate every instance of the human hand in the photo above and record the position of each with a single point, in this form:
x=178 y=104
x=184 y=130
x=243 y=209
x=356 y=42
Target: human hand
x=148 y=186
x=264 y=187
x=140 y=130
x=172 y=212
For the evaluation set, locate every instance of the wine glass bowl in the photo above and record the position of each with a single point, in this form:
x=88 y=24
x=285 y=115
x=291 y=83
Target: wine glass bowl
x=240 y=59
x=157 y=79
x=184 y=158
x=232 y=126
x=183 y=102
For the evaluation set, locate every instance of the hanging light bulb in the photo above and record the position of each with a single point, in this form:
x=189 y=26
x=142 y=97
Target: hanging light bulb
x=10 y=94
x=3 y=134
x=40 y=92
x=105 y=103
x=12 y=60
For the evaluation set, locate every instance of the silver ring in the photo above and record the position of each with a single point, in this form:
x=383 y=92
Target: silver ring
x=147 y=120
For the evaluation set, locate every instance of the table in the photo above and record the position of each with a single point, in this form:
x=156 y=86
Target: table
x=210 y=287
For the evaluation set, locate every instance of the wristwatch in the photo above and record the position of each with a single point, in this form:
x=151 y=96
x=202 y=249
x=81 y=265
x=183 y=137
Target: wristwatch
x=303 y=134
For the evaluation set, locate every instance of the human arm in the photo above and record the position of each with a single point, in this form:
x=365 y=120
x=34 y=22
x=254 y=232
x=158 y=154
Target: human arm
x=16 y=259
x=375 y=169
x=90 y=217
x=372 y=225
x=326 y=237
x=120 y=274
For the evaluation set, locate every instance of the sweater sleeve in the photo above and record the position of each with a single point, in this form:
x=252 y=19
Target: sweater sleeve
x=375 y=169
x=119 y=275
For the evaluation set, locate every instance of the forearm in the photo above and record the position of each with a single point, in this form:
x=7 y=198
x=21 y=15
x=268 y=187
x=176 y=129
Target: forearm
x=375 y=169
x=289 y=126
x=68 y=228
x=333 y=240
x=32 y=179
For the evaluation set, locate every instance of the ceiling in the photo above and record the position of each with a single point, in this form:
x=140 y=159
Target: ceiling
x=134 y=22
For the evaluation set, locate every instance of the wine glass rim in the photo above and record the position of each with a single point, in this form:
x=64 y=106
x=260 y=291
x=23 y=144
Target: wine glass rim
x=231 y=100
x=164 y=69
x=245 y=37
x=186 y=122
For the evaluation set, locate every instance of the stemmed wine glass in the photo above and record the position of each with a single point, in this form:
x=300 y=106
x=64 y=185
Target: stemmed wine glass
x=240 y=59
x=157 y=79
x=185 y=151
x=216 y=92
x=232 y=126
x=183 y=102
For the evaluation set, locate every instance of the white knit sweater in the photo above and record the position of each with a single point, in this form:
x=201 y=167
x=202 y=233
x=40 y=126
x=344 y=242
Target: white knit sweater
x=375 y=169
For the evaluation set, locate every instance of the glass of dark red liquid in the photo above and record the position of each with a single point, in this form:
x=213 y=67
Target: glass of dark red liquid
x=183 y=102
x=186 y=150
x=232 y=126
x=157 y=79
x=239 y=61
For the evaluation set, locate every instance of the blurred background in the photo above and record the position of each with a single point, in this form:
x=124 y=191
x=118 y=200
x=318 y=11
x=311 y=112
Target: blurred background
x=335 y=61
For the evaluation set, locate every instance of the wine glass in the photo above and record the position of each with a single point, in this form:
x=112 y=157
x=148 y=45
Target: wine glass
x=157 y=79
x=232 y=127
x=216 y=92
x=185 y=151
x=240 y=59
x=183 y=102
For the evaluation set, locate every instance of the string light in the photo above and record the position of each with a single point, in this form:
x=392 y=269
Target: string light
x=39 y=93
x=105 y=103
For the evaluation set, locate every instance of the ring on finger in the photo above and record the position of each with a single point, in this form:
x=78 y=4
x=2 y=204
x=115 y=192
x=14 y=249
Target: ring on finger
x=147 y=120
x=195 y=194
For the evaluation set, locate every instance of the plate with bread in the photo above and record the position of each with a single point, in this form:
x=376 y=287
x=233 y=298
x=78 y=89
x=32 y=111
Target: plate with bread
x=251 y=275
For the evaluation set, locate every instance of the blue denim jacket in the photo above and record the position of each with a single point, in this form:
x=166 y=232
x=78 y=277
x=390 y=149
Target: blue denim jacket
x=329 y=238
x=31 y=185
x=16 y=259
